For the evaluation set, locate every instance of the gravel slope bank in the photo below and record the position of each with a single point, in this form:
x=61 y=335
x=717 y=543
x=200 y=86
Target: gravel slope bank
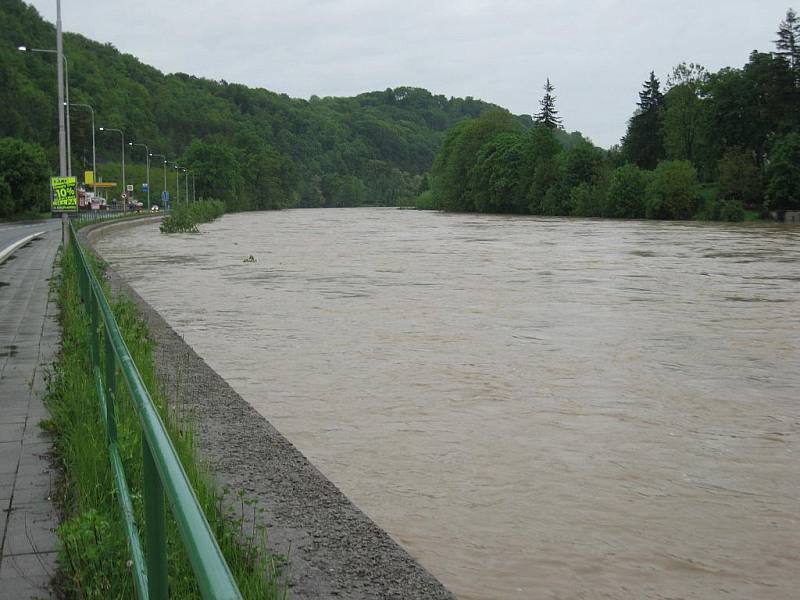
x=335 y=550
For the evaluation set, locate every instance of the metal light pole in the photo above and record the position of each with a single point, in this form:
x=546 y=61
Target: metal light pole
x=66 y=107
x=186 y=185
x=164 y=159
x=147 y=153
x=62 y=159
x=194 y=195
x=65 y=156
x=124 y=188
x=177 y=185
x=94 y=161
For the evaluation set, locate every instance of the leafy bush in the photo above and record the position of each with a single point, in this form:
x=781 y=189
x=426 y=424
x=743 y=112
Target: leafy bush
x=185 y=218
x=625 y=196
x=425 y=201
x=739 y=177
x=586 y=200
x=672 y=192
x=783 y=174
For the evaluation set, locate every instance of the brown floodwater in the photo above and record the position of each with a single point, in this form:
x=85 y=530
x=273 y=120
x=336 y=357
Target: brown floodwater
x=533 y=408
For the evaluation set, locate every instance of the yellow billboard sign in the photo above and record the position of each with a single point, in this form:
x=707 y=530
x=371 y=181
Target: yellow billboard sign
x=65 y=197
x=88 y=177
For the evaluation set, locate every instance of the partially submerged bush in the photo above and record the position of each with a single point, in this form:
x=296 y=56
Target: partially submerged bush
x=184 y=218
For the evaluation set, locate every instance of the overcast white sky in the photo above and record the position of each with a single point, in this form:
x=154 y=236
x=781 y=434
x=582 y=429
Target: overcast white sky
x=597 y=54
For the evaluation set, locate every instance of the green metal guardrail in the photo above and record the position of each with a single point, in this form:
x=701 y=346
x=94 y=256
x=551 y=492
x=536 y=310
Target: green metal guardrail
x=163 y=471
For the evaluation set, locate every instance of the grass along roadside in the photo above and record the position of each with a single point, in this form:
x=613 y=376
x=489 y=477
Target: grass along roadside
x=93 y=547
x=184 y=218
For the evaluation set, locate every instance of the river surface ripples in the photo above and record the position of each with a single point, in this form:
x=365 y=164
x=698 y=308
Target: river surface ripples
x=533 y=408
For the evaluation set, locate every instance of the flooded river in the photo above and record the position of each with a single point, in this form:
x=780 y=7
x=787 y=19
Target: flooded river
x=533 y=408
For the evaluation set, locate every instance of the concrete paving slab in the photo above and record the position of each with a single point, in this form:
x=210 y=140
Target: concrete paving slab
x=32 y=488
x=30 y=566
x=9 y=456
x=11 y=432
x=30 y=529
x=29 y=335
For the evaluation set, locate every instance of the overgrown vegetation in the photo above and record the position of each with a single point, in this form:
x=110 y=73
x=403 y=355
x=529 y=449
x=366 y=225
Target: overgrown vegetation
x=93 y=549
x=185 y=217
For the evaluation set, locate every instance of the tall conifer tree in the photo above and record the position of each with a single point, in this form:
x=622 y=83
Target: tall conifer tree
x=643 y=143
x=548 y=116
x=788 y=43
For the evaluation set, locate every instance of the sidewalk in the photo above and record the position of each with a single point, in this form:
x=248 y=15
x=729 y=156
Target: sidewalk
x=29 y=337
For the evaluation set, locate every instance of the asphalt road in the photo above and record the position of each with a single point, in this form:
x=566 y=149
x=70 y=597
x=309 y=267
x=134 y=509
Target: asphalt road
x=11 y=232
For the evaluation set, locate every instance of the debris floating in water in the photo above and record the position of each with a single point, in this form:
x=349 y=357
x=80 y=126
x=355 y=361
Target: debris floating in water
x=250 y=258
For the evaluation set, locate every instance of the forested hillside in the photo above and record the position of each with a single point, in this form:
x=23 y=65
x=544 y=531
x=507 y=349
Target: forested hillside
x=251 y=148
x=705 y=145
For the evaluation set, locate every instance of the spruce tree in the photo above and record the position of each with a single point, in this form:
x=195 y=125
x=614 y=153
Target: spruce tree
x=643 y=143
x=548 y=116
x=650 y=97
x=788 y=43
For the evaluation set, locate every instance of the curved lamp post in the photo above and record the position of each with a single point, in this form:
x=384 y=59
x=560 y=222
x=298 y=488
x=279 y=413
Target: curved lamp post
x=63 y=103
x=164 y=161
x=94 y=161
x=124 y=188
x=147 y=157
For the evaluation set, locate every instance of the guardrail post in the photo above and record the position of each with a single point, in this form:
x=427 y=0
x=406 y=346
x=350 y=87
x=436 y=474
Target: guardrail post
x=155 y=527
x=94 y=334
x=111 y=385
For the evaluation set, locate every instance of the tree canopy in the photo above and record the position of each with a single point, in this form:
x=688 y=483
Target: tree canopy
x=713 y=146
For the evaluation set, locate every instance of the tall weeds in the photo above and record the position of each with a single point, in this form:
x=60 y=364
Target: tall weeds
x=93 y=549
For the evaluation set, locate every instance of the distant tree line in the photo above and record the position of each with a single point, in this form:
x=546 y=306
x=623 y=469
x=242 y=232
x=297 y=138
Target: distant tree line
x=712 y=146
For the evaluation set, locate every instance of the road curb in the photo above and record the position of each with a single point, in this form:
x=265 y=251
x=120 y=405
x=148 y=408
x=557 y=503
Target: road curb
x=9 y=250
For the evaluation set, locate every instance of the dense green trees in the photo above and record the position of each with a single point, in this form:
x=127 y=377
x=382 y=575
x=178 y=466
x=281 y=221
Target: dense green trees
x=23 y=178
x=712 y=146
x=251 y=147
x=459 y=154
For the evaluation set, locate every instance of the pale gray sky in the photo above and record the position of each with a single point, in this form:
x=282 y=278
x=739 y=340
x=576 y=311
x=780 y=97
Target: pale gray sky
x=597 y=54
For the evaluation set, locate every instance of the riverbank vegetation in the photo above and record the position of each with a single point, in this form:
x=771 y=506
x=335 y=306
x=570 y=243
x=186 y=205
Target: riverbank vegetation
x=93 y=547
x=185 y=218
x=717 y=146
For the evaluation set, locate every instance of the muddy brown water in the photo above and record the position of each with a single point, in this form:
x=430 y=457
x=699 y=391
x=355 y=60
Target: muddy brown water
x=534 y=408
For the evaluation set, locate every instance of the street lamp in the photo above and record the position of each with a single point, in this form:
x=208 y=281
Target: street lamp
x=163 y=192
x=177 y=185
x=124 y=189
x=63 y=103
x=94 y=162
x=186 y=185
x=147 y=156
